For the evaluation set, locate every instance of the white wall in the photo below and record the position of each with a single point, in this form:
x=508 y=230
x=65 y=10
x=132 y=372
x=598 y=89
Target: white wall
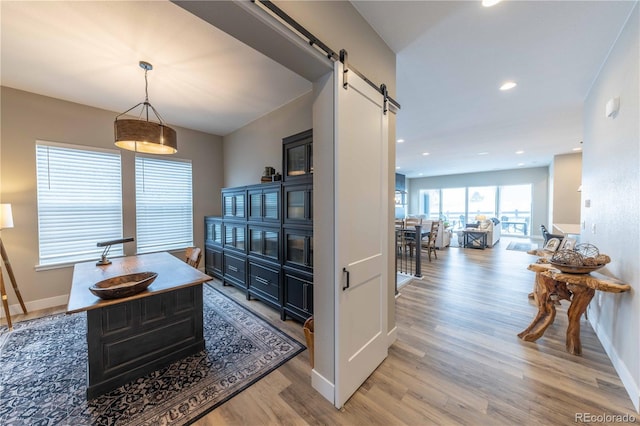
x=537 y=176
x=567 y=177
x=27 y=117
x=611 y=182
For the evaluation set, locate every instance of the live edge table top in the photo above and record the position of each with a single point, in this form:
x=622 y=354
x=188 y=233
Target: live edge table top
x=173 y=274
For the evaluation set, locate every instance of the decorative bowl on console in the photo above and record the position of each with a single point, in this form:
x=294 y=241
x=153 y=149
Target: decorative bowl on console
x=583 y=259
x=123 y=285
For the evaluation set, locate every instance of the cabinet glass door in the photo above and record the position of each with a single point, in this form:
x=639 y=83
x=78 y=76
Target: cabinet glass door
x=214 y=232
x=271 y=244
x=239 y=231
x=255 y=205
x=228 y=205
x=296 y=160
x=295 y=204
x=271 y=205
x=239 y=205
x=255 y=241
x=295 y=249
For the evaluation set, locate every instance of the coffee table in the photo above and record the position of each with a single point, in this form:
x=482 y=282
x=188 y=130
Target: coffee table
x=474 y=238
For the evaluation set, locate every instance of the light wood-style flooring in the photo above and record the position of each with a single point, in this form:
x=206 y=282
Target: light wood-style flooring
x=457 y=360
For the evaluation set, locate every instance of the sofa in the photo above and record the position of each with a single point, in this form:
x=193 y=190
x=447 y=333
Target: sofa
x=493 y=228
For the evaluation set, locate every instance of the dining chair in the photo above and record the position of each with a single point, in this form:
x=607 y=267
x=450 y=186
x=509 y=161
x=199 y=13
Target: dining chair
x=430 y=242
x=193 y=256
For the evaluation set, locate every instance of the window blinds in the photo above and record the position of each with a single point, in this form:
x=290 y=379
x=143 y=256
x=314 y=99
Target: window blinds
x=164 y=206
x=79 y=202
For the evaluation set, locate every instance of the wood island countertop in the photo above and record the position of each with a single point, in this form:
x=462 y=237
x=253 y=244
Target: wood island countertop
x=173 y=273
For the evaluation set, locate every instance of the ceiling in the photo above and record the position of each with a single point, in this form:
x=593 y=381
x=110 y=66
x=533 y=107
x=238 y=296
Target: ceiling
x=451 y=58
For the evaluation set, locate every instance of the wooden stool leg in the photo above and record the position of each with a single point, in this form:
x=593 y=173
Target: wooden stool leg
x=12 y=278
x=5 y=303
x=581 y=297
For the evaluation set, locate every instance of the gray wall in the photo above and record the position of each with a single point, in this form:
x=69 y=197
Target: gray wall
x=248 y=150
x=27 y=117
x=538 y=177
x=611 y=182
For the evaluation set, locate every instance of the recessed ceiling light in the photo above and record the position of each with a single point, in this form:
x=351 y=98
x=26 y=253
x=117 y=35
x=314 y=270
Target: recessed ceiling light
x=508 y=85
x=489 y=3
x=520 y=152
x=483 y=153
x=577 y=149
x=400 y=140
x=520 y=164
x=420 y=174
x=397 y=167
x=425 y=153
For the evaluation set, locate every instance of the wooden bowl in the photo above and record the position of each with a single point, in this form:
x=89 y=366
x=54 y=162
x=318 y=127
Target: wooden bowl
x=572 y=269
x=123 y=285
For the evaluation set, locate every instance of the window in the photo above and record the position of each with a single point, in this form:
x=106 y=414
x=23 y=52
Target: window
x=164 y=207
x=515 y=209
x=482 y=202
x=454 y=206
x=79 y=202
x=430 y=200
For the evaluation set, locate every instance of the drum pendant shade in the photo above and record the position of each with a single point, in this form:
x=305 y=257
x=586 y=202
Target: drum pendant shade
x=142 y=135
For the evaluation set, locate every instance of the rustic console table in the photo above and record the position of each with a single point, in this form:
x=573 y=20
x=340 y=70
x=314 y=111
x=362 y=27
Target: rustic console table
x=136 y=335
x=552 y=286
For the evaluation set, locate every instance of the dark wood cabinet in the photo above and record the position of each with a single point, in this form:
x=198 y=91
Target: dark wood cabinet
x=234 y=205
x=213 y=261
x=297 y=294
x=263 y=243
x=264 y=282
x=297 y=158
x=213 y=231
x=235 y=235
x=264 y=203
x=297 y=204
x=298 y=248
x=235 y=270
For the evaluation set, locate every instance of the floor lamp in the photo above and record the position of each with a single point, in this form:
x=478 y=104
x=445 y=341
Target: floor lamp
x=6 y=221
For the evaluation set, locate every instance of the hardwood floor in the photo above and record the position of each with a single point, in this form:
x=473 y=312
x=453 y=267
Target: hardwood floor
x=457 y=360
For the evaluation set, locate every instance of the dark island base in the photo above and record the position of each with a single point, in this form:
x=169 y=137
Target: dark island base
x=130 y=339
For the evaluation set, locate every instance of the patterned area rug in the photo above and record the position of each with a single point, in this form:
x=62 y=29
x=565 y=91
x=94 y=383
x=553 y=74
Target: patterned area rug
x=43 y=369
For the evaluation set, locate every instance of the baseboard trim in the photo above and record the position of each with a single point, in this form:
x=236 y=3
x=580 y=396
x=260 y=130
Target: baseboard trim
x=626 y=377
x=37 y=305
x=392 y=336
x=323 y=386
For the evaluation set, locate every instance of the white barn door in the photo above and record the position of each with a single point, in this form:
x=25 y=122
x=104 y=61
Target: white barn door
x=361 y=218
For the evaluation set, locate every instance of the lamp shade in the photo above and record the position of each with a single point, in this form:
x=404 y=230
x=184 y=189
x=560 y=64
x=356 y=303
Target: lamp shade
x=6 y=216
x=145 y=136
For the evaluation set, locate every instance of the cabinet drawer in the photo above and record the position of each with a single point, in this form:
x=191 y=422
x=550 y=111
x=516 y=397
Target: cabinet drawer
x=298 y=294
x=264 y=279
x=213 y=261
x=235 y=268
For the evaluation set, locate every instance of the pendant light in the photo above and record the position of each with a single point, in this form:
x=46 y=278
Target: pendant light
x=142 y=135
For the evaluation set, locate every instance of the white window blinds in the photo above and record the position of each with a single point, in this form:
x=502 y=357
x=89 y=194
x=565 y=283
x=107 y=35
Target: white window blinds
x=79 y=202
x=164 y=207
